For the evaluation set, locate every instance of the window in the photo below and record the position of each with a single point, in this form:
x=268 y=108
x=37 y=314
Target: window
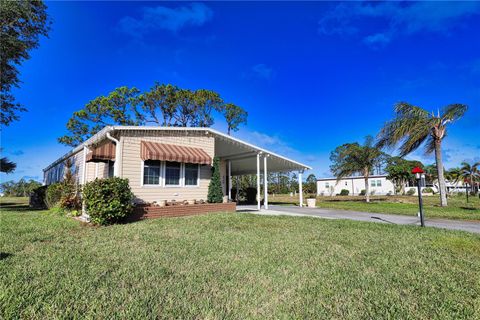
x=327 y=185
x=379 y=183
x=151 y=172
x=111 y=164
x=191 y=174
x=372 y=183
x=172 y=173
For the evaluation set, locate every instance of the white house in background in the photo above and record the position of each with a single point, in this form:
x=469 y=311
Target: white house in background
x=378 y=184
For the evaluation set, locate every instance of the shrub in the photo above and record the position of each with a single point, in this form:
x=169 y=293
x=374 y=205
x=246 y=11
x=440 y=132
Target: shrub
x=37 y=198
x=108 y=201
x=64 y=195
x=53 y=195
x=427 y=190
x=251 y=195
x=363 y=192
x=344 y=192
x=215 y=193
x=411 y=192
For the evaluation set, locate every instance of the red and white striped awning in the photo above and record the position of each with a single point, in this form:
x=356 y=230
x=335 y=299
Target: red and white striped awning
x=170 y=152
x=103 y=152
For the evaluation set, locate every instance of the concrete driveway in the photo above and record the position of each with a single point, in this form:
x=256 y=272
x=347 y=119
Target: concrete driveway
x=463 y=225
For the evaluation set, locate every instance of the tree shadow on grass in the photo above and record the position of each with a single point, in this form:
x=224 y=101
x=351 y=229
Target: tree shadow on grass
x=17 y=207
x=5 y=255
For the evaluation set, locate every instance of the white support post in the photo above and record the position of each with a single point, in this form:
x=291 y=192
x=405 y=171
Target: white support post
x=230 y=180
x=300 y=188
x=265 y=181
x=258 y=181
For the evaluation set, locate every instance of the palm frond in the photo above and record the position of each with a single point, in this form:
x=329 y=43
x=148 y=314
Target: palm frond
x=453 y=112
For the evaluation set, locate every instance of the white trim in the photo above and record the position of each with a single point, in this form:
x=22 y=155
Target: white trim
x=265 y=182
x=258 y=181
x=142 y=165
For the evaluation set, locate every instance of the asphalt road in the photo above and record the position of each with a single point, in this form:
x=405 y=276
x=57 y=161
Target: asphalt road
x=469 y=226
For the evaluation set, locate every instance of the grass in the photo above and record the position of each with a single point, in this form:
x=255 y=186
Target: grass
x=232 y=266
x=403 y=205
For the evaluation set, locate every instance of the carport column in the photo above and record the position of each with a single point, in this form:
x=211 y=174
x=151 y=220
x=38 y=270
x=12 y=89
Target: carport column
x=265 y=181
x=300 y=188
x=258 y=181
x=229 y=179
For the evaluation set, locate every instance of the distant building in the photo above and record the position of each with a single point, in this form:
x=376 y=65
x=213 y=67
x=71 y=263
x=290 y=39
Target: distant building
x=378 y=185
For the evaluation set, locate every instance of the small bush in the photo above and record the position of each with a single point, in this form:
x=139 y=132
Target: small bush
x=108 y=201
x=427 y=190
x=363 y=192
x=37 y=198
x=344 y=192
x=64 y=195
x=411 y=192
x=251 y=195
x=53 y=195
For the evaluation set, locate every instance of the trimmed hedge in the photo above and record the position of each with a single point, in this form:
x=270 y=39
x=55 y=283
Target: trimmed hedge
x=344 y=192
x=108 y=201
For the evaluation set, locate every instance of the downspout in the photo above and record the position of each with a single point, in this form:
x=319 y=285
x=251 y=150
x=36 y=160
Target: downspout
x=116 y=165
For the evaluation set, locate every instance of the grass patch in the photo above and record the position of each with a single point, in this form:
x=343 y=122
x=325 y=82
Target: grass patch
x=234 y=266
x=457 y=208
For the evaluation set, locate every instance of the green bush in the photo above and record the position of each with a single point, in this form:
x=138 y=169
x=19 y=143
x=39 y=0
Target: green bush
x=411 y=192
x=53 y=195
x=215 y=193
x=427 y=190
x=344 y=192
x=363 y=192
x=108 y=201
x=64 y=195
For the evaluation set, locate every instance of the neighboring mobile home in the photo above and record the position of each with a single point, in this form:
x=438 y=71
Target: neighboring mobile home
x=378 y=184
x=168 y=163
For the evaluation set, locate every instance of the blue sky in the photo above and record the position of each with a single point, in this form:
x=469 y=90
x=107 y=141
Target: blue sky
x=311 y=75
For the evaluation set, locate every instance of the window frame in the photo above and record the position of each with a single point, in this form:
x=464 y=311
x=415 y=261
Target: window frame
x=160 y=178
x=184 y=176
x=379 y=183
x=180 y=177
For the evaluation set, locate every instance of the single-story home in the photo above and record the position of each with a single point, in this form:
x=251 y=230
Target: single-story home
x=378 y=184
x=169 y=163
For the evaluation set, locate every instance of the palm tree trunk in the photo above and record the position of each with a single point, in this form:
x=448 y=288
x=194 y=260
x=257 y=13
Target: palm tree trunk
x=441 y=179
x=367 y=193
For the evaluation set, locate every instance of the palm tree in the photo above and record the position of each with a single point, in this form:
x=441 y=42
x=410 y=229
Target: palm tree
x=352 y=158
x=470 y=173
x=414 y=126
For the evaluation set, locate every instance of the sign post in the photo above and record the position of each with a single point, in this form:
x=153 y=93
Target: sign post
x=418 y=172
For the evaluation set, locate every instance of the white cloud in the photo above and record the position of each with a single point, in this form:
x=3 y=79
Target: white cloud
x=165 y=18
x=397 y=18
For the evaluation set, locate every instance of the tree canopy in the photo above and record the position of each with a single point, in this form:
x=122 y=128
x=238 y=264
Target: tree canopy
x=399 y=171
x=23 y=22
x=163 y=105
x=353 y=158
x=413 y=127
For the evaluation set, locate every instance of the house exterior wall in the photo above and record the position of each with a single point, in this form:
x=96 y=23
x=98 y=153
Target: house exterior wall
x=378 y=184
x=57 y=172
x=132 y=165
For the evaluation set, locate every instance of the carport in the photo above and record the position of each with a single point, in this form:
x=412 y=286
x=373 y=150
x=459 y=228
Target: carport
x=243 y=158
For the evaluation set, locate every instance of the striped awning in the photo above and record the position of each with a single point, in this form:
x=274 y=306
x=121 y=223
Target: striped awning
x=103 y=152
x=170 y=152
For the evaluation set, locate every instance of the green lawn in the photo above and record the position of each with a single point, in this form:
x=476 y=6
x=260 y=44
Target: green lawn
x=233 y=266
x=457 y=208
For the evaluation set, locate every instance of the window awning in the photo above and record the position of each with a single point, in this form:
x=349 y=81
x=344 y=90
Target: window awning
x=103 y=152
x=170 y=152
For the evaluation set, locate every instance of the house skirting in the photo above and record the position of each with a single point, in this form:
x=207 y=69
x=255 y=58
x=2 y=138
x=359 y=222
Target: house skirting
x=152 y=212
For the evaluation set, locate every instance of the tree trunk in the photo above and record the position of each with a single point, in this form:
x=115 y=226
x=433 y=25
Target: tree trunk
x=441 y=179
x=367 y=193
x=402 y=188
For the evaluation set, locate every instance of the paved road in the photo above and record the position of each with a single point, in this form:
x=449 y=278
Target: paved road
x=469 y=226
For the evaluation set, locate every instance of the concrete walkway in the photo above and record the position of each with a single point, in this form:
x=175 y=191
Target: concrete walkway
x=463 y=225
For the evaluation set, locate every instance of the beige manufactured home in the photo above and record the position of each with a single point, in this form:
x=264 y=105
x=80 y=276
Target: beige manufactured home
x=169 y=163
